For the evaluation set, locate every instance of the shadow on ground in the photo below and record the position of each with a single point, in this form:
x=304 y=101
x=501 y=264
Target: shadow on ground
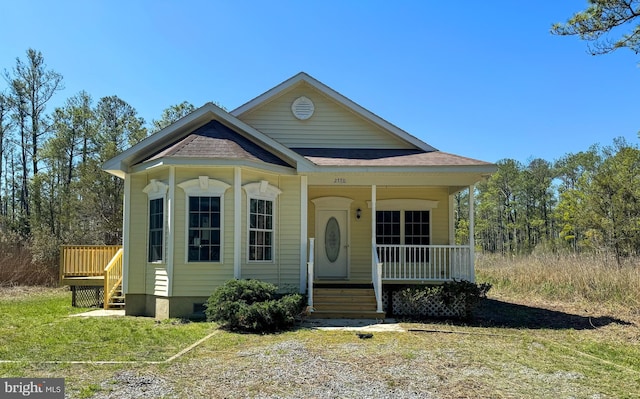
x=495 y=313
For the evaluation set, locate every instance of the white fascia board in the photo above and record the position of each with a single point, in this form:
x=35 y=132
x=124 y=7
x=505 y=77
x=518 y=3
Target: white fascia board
x=336 y=96
x=199 y=117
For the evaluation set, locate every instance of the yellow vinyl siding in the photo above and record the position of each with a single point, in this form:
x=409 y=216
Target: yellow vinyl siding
x=136 y=250
x=283 y=271
x=331 y=126
x=157 y=280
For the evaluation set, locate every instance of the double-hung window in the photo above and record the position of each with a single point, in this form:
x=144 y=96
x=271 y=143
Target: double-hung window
x=261 y=198
x=156 y=229
x=205 y=218
x=260 y=229
x=156 y=192
x=204 y=229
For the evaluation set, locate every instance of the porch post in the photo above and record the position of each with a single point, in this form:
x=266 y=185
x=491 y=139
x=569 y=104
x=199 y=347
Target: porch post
x=376 y=268
x=373 y=217
x=304 y=198
x=126 y=221
x=237 y=221
x=452 y=220
x=472 y=241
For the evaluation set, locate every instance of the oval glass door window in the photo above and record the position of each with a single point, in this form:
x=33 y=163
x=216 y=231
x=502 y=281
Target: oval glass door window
x=332 y=240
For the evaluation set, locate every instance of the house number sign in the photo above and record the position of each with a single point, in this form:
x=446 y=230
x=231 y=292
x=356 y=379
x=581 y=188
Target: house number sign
x=340 y=180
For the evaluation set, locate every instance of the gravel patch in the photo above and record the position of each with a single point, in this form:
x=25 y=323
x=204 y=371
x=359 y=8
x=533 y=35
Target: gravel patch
x=129 y=385
x=290 y=370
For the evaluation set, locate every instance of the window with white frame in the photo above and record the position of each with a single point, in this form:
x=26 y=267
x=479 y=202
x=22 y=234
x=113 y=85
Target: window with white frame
x=156 y=192
x=204 y=207
x=403 y=227
x=204 y=239
x=260 y=229
x=261 y=199
x=403 y=222
x=156 y=229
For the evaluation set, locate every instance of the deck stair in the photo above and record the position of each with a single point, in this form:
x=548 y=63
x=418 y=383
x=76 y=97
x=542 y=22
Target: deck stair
x=344 y=301
x=117 y=300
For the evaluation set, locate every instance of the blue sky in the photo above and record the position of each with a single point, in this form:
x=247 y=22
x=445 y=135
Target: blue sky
x=483 y=79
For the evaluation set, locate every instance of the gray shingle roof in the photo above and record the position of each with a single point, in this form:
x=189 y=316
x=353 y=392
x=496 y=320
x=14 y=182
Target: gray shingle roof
x=384 y=157
x=217 y=141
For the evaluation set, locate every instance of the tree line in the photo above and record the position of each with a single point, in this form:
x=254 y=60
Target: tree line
x=52 y=188
x=53 y=191
x=583 y=202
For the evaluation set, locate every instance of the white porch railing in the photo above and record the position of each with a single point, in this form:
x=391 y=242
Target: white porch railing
x=426 y=262
x=376 y=277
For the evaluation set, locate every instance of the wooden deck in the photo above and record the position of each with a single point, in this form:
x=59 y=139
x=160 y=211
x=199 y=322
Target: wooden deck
x=98 y=266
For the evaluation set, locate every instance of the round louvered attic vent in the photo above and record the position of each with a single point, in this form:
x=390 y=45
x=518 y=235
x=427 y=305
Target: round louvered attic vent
x=302 y=108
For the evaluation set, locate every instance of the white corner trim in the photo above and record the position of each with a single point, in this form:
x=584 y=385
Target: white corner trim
x=262 y=190
x=156 y=189
x=404 y=204
x=237 y=223
x=204 y=185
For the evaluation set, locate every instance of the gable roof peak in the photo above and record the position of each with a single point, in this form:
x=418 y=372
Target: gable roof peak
x=337 y=97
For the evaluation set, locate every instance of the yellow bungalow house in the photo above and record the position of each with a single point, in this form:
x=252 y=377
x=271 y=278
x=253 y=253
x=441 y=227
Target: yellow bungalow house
x=300 y=187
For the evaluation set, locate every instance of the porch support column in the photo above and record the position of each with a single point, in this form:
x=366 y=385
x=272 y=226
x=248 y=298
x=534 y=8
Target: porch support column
x=373 y=217
x=304 y=198
x=126 y=221
x=237 y=221
x=171 y=221
x=472 y=241
x=452 y=220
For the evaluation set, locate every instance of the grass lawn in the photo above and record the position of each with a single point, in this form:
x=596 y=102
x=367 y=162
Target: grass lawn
x=511 y=349
x=37 y=327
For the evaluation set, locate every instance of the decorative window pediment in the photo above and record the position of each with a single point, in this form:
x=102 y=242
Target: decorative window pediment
x=204 y=185
x=262 y=190
x=156 y=189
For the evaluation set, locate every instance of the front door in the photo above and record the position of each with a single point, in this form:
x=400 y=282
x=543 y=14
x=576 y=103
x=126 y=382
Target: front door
x=332 y=251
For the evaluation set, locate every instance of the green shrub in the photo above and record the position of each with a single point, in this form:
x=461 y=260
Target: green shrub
x=253 y=306
x=451 y=299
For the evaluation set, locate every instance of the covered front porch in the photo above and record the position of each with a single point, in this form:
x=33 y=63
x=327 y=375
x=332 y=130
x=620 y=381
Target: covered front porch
x=398 y=236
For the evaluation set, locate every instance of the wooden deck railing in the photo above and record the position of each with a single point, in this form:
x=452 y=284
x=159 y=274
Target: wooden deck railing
x=112 y=278
x=85 y=260
x=426 y=262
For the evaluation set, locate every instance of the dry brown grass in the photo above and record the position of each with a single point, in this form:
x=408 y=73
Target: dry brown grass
x=592 y=280
x=17 y=267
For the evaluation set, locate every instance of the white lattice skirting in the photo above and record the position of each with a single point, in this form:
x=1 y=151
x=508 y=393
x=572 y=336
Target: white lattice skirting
x=428 y=308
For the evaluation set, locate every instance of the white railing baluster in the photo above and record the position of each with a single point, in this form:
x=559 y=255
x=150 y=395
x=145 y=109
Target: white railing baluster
x=424 y=262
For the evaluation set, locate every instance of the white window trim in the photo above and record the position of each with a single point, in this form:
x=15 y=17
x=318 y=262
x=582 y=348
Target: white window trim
x=157 y=190
x=203 y=186
x=404 y=205
x=262 y=191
